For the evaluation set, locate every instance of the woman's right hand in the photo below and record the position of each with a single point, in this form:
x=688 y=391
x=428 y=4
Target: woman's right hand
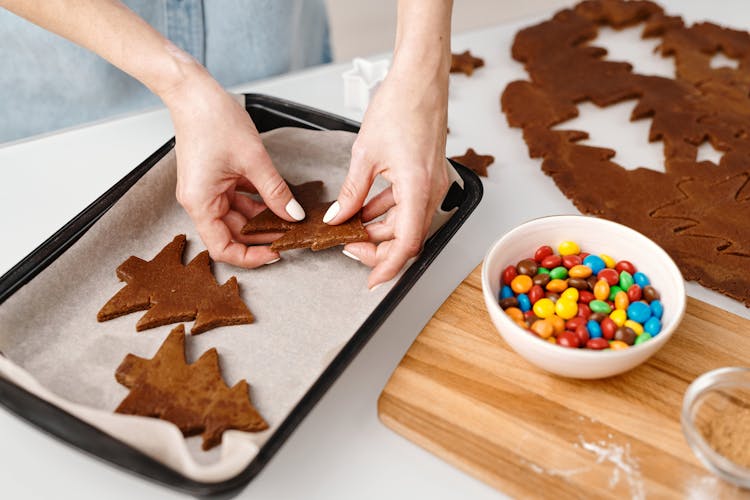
x=218 y=150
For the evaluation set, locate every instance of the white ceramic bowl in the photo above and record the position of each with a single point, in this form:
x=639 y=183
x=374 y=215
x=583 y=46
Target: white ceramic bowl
x=597 y=236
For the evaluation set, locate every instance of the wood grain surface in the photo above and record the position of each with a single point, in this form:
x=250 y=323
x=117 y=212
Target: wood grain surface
x=464 y=395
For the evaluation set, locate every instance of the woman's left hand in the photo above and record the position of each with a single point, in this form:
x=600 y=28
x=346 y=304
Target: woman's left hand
x=403 y=139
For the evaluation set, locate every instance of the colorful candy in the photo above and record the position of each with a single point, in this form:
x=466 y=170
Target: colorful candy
x=578 y=299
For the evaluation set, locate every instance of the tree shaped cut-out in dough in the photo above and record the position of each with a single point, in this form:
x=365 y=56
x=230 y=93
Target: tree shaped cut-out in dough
x=173 y=292
x=194 y=397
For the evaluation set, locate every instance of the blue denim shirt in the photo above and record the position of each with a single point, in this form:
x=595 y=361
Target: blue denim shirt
x=47 y=83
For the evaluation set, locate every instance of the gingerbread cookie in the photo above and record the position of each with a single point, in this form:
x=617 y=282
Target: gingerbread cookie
x=194 y=397
x=312 y=232
x=465 y=63
x=476 y=162
x=173 y=292
x=698 y=211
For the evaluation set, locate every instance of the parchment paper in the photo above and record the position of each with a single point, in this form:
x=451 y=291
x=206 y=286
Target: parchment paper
x=307 y=306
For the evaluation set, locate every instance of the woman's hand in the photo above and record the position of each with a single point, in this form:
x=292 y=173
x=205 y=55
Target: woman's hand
x=219 y=150
x=403 y=139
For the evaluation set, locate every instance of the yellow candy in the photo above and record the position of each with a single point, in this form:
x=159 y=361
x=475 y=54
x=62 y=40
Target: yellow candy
x=552 y=340
x=608 y=261
x=566 y=309
x=635 y=326
x=557 y=323
x=515 y=313
x=618 y=316
x=579 y=271
x=568 y=248
x=601 y=290
x=616 y=345
x=544 y=308
x=621 y=300
x=569 y=294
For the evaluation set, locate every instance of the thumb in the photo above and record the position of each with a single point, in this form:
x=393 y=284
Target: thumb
x=271 y=187
x=353 y=191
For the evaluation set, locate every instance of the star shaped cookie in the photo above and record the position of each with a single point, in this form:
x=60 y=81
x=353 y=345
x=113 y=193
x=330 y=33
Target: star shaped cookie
x=465 y=63
x=476 y=162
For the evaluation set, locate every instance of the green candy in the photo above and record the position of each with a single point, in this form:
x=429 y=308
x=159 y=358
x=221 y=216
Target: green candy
x=626 y=280
x=613 y=291
x=542 y=270
x=599 y=306
x=640 y=339
x=558 y=273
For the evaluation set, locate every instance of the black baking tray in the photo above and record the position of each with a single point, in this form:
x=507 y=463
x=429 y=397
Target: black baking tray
x=268 y=113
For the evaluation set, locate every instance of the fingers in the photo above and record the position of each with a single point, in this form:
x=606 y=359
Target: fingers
x=247 y=206
x=378 y=205
x=218 y=239
x=272 y=188
x=363 y=251
x=354 y=190
x=235 y=221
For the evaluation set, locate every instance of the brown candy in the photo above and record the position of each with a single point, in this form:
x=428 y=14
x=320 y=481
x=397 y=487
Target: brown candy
x=598 y=317
x=578 y=283
x=541 y=279
x=527 y=267
x=508 y=302
x=625 y=334
x=650 y=293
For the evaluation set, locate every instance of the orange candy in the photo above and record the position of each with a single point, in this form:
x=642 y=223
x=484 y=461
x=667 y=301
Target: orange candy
x=543 y=328
x=557 y=286
x=580 y=271
x=521 y=283
x=621 y=300
x=515 y=313
x=616 y=345
x=601 y=290
x=558 y=324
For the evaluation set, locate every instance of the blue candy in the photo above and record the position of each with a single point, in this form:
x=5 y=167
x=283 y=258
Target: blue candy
x=639 y=311
x=524 y=304
x=595 y=262
x=641 y=279
x=652 y=326
x=657 y=309
x=506 y=292
x=595 y=331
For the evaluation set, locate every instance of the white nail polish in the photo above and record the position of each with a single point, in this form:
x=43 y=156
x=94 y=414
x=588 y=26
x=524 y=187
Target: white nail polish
x=376 y=287
x=273 y=261
x=332 y=212
x=295 y=210
x=350 y=255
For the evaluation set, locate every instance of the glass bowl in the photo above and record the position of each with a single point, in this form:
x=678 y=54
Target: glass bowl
x=716 y=422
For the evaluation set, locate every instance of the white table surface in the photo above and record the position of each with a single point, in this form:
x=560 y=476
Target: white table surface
x=340 y=450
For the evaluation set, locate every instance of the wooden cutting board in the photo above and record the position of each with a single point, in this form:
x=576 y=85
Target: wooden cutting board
x=464 y=395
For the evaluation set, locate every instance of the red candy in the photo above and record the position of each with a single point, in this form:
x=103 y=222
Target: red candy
x=608 y=327
x=574 y=323
x=509 y=273
x=611 y=276
x=584 y=311
x=571 y=260
x=567 y=339
x=583 y=255
x=583 y=334
x=536 y=293
x=551 y=261
x=634 y=293
x=542 y=252
x=598 y=343
x=625 y=265
x=584 y=296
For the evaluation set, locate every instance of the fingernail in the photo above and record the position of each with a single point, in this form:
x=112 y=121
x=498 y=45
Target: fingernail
x=273 y=261
x=332 y=212
x=376 y=287
x=295 y=210
x=350 y=255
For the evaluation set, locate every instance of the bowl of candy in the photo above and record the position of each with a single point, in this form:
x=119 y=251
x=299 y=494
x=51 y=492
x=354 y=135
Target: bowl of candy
x=580 y=296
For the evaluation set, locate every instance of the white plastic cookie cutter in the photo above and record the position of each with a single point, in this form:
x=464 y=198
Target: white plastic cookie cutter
x=362 y=81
